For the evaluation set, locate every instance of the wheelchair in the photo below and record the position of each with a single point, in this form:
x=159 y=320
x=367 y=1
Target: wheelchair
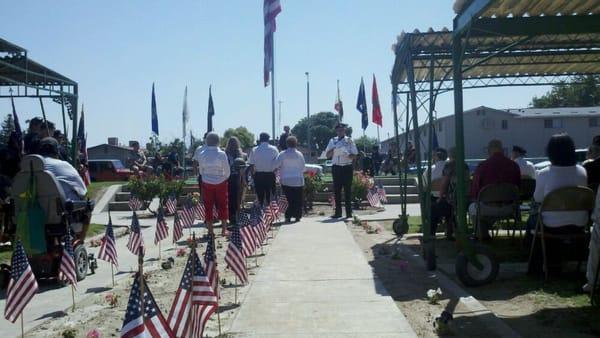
x=60 y=215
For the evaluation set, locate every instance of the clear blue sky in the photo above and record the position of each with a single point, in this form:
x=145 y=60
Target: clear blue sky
x=116 y=49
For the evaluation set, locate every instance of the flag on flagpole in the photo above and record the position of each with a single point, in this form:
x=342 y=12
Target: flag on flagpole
x=171 y=205
x=361 y=104
x=184 y=115
x=188 y=215
x=246 y=233
x=162 y=229
x=374 y=198
x=22 y=285
x=377 y=117
x=108 y=249
x=177 y=228
x=82 y=142
x=134 y=203
x=136 y=240
x=66 y=270
x=339 y=106
x=270 y=10
x=211 y=111
x=234 y=257
x=147 y=321
x=154 y=115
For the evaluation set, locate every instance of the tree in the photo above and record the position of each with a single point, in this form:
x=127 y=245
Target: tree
x=365 y=143
x=322 y=128
x=583 y=92
x=7 y=127
x=246 y=138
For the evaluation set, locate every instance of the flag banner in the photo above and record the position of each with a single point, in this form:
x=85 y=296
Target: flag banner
x=154 y=116
x=210 y=260
x=146 y=321
x=135 y=203
x=162 y=229
x=211 y=111
x=82 y=143
x=270 y=10
x=361 y=105
x=136 y=240
x=374 y=198
x=66 y=270
x=171 y=205
x=188 y=215
x=22 y=285
x=108 y=249
x=377 y=116
x=177 y=228
x=234 y=256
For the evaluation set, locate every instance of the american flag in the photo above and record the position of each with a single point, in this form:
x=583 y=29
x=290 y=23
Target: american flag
x=22 y=285
x=171 y=205
x=162 y=229
x=108 y=250
x=258 y=225
x=381 y=193
x=188 y=215
x=136 y=240
x=283 y=203
x=177 y=228
x=146 y=322
x=200 y=211
x=210 y=260
x=270 y=9
x=194 y=294
x=66 y=270
x=277 y=176
x=246 y=232
x=274 y=208
x=374 y=198
x=234 y=257
x=135 y=203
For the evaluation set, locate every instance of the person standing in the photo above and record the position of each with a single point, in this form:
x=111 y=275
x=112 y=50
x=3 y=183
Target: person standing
x=526 y=167
x=342 y=151
x=291 y=163
x=214 y=168
x=237 y=162
x=262 y=159
x=283 y=138
x=377 y=159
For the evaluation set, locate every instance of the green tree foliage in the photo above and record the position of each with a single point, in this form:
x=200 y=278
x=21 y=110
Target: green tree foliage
x=8 y=126
x=583 y=92
x=322 y=128
x=246 y=138
x=365 y=142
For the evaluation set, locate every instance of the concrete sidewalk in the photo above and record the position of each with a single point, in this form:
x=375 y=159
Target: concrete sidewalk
x=315 y=282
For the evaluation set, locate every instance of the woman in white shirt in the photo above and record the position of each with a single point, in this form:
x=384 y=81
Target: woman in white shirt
x=290 y=163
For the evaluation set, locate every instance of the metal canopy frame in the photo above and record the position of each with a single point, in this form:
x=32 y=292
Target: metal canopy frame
x=492 y=45
x=22 y=77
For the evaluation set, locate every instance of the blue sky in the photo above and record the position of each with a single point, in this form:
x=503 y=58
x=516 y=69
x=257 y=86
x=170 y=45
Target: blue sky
x=116 y=49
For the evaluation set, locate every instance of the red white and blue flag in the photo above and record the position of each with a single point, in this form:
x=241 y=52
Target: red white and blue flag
x=188 y=215
x=234 y=257
x=200 y=211
x=270 y=10
x=136 y=240
x=283 y=203
x=210 y=260
x=247 y=235
x=108 y=249
x=135 y=203
x=171 y=205
x=22 y=285
x=374 y=198
x=66 y=270
x=381 y=193
x=162 y=229
x=177 y=228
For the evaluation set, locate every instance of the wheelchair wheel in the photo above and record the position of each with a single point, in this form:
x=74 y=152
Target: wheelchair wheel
x=81 y=262
x=400 y=226
x=470 y=275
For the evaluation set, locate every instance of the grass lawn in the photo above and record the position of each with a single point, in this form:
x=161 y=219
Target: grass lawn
x=95 y=229
x=95 y=188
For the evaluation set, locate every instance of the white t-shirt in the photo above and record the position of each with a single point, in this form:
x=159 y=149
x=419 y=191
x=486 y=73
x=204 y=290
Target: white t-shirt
x=263 y=157
x=213 y=165
x=552 y=178
x=69 y=179
x=527 y=168
x=291 y=165
x=437 y=171
x=342 y=149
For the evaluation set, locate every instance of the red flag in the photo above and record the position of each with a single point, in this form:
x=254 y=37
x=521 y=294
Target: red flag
x=377 y=117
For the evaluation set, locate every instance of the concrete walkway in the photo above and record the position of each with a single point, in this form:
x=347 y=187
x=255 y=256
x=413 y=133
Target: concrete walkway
x=315 y=282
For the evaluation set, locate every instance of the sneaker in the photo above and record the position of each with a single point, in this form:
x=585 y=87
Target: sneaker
x=335 y=216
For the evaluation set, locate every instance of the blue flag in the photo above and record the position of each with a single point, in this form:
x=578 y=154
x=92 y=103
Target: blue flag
x=361 y=104
x=211 y=111
x=154 y=113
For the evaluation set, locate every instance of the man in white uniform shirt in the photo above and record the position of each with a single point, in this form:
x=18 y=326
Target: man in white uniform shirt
x=342 y=151
x=526 y=167
x=262 y=158
x=213 y=166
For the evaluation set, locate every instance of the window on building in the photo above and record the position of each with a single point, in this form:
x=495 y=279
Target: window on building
x=553 y=123
x=505 y=124
x=593 y=122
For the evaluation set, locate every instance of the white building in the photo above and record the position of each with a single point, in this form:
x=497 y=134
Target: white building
x=529 y=128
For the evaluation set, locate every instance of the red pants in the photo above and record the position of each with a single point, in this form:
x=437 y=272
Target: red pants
x=215 y=194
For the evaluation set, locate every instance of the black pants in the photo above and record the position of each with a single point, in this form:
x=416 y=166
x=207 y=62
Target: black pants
x=264 y=185
x=342 y=178
x=439 y=211
x=233 y=195
x=295 y=198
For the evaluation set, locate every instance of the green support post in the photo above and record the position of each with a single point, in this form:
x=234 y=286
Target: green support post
x=74 y=146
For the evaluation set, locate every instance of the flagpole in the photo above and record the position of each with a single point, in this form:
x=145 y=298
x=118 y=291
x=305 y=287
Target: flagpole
x=212 y=239
x=308 y=115
x=141 y=276
x=273 y=85
x=112 y=274
x=193 y=256
x=22 y=328
x=378 y=139
x=73 y=297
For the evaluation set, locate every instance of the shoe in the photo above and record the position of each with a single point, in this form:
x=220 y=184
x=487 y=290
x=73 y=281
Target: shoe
x=348 y=216
x=297 y=220
x=587 y=288
x=288 y=220
x=335 y=216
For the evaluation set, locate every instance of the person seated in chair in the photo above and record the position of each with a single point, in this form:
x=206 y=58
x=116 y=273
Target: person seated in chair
x=594 y=249
x=496 y=169
x=66 y=175
x=592 y=166
x=526 y=167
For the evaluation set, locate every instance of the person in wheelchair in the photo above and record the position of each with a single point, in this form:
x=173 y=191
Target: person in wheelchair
x=65 y=173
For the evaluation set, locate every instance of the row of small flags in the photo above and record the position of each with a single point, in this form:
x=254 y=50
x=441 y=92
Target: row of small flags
x=375 y=195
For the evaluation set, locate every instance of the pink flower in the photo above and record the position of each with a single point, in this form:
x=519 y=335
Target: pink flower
x=93 y=333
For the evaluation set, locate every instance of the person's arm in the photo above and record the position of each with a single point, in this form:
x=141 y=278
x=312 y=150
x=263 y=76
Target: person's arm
x=352 y=149
x=329 y=149
x=278 y=161
x=225 y=164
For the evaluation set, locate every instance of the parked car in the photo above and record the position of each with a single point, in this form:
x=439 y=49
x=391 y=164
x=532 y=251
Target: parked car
x=108 y=170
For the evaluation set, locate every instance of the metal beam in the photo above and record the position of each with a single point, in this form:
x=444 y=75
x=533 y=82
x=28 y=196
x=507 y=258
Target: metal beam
x=473 y=11
x=536 y=25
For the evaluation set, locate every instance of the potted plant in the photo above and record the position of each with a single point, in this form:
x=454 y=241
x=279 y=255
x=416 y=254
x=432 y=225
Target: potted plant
x=361 y=184
x=312 y=185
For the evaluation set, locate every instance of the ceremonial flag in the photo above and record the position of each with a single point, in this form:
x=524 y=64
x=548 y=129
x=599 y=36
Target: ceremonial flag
x=162 y=229
x=247 y=235
x=66 y=270
x=377 y=117
x=22 y=285
x=258 y=226
x=381 y=193
x=200 y=211
x=108 y=250
x=136 y=240
x=210 y=260
x=234 y=257
x=171 y=205
x=154 y=116
x=18 y=131
x=270 y=10
x=194 y=294
x=135 y=203
x=361 y=104
x=177 y=228
x=184 y=115
x=82 y=142
x=373 y=198
x=188 y=215
x=146 y=321
x=339 y=106
x=283 y=203
x=211 y=111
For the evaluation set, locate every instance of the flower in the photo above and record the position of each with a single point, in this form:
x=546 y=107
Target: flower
x=112 y=299
x=93 y=333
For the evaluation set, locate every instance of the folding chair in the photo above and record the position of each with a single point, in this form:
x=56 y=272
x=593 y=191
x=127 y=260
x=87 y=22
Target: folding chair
x=562 y=199
x=498 y=202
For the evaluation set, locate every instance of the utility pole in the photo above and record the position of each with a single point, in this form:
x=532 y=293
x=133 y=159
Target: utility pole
x=308 y=116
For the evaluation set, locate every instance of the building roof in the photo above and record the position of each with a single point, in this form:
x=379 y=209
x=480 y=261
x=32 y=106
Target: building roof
x=506 y=8
x=555 y=112
x=110 y=146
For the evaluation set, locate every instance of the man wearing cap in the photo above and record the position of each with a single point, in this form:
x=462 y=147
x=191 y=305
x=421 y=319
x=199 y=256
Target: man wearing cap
x=342 y=151
x=63 y=171
x=262 y=158
x=526 y=167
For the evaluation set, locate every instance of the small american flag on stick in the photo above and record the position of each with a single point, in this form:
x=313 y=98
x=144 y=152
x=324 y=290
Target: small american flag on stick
x=171 y=205
x=22 y=285
x=177 y=228
x=136 y=240
x=66 y=270
x=200 y=211
x=188 y=215
x=374 y=198
x=332 y=200
x=135 y=203
x=210 y=260
x=381 y=193
x=108 y=250
x=234 y=257
x=162 y=229
x=283 y=203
